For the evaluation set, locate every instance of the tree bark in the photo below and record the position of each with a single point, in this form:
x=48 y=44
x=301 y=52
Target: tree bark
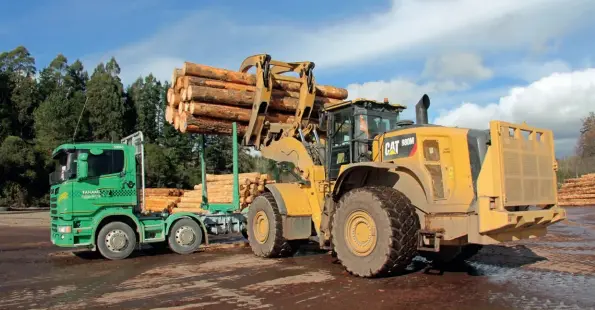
x=169 y=114
x=239 y=98
x=192 y=69
x=233 y=114
x=174 y=76
x=190 y=81
x=203 y=125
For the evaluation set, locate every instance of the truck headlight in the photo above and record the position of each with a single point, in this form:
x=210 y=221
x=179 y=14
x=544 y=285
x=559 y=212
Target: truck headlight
x=64 y=229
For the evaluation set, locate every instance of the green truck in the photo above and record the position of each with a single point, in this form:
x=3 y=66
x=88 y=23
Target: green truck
x=96 y=202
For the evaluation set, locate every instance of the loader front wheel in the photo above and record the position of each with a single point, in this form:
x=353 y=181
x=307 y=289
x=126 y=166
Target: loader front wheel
x=375 y=231
x=265 y=229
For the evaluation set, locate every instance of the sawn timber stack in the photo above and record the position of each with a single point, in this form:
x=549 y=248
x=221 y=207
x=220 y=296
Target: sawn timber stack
x=206 y=100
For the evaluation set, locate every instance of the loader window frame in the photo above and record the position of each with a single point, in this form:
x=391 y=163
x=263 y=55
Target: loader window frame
x=340 y=148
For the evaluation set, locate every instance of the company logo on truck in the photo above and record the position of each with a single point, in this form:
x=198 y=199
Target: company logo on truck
x=399 y=146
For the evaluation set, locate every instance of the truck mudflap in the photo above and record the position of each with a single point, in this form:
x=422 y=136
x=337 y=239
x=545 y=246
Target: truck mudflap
x=517 y=185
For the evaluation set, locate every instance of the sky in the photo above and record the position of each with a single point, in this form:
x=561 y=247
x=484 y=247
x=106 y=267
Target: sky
x=520 y=61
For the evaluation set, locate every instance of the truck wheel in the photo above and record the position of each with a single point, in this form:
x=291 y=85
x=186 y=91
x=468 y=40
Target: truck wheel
x=116 y=240
x=375 y=231
x=265 y=229
x=185 y=236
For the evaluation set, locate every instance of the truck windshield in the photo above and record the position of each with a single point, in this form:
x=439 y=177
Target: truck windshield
x=60 y=173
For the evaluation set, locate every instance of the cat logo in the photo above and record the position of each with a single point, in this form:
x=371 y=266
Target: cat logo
x=399 y=146
x=392 y=147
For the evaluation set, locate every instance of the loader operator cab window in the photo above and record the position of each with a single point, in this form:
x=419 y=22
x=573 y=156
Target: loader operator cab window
x=342 y=132
x=368 y=127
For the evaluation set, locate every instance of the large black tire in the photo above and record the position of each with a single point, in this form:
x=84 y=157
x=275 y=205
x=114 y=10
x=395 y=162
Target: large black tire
x=116 y=240
x=384 y=212
x=185 y=236
x=268 y=242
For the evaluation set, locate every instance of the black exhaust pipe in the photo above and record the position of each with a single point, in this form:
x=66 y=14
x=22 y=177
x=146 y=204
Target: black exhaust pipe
x=421 y=110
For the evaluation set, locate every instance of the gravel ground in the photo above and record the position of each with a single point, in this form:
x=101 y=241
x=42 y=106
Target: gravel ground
x=553 y=272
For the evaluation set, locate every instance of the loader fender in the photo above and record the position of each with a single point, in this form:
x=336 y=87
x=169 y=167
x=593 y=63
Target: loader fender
x=385 y=174
x=294 y=208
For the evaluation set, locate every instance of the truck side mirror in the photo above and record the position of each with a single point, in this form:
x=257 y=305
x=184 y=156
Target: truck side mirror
x=82 y=166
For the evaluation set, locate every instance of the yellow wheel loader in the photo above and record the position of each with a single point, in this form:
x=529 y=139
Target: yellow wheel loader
x=377 y=190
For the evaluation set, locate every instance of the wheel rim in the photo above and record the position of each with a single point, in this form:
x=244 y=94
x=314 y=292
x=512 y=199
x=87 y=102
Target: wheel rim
x=116 y=240
x=185 y=236
x=260 y=226
x=360 y=233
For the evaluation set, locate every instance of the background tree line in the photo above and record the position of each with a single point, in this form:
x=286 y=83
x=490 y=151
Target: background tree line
x=39 y=110
x=583 y=161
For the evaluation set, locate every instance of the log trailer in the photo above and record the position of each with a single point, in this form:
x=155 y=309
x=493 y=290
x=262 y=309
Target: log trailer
x=96 y=202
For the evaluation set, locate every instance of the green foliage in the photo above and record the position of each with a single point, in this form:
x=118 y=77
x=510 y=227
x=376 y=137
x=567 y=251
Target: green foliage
x=106 y=103
x=63 y=89
x=23 y=173
x=37 y=115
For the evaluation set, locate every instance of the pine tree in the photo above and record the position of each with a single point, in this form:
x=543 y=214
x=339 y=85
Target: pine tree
x=106 y=102
x=56 y=118
x=586 y=141
x=18 y=93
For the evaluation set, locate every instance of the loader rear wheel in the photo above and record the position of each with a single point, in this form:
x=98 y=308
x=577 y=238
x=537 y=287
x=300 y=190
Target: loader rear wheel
x=265 y=229
x=375 y=231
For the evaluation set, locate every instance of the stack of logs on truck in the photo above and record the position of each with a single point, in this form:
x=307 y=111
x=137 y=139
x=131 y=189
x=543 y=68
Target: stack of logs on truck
x=207 y=100
x=219 y=190
x=578 y=191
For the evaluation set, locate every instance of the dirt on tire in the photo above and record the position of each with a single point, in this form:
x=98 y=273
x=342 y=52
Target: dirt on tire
x=275 y=245
x=397 y=231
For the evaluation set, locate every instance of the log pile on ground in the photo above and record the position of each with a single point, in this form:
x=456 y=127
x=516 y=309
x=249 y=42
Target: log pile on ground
x=578 y=192
x=162 y=199
x=207 y=100
x=251 y=188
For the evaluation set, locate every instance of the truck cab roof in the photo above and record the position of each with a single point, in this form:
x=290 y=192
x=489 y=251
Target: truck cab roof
x=69 y=147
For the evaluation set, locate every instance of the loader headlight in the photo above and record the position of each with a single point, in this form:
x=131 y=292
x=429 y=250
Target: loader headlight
x=64 y=229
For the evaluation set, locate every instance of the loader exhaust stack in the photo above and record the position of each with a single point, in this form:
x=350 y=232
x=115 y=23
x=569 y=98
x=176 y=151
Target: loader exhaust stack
x=421 y=110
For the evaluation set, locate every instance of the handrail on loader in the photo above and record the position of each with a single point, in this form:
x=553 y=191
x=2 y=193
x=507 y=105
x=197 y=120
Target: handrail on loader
x=269 y=72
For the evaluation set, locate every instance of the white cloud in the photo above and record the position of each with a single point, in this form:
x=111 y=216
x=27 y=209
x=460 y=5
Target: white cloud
x=420 y=28
x=401 y=91
x=459 y=66
x=556 y=102
x=410 y=29
x=531 y=71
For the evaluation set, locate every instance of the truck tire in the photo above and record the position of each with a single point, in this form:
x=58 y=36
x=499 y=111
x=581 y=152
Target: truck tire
x=185 y=236
x=265 y=229
x=116 y=240
x=375 y=231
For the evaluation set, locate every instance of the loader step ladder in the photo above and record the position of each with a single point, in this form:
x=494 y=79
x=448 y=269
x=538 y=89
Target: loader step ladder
x=137 y=140
x=434 y=236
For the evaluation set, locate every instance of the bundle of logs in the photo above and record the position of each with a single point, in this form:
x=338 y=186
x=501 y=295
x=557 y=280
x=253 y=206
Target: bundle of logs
x=207 y=100
x=219 y=190
x=578 y=192
x=162 y=199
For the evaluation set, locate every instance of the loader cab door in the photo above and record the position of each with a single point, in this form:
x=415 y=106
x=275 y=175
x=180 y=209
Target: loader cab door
x=340 y=142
